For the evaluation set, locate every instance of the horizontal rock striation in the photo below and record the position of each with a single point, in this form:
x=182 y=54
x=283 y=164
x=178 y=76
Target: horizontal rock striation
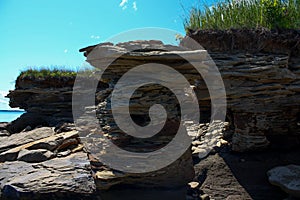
x=46 y=100
x=175 y=174
x=262 y=84
x=262 y=90
x=260 y=70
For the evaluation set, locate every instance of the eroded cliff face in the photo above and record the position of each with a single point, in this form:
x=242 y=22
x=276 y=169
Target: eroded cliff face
x=46 y=100
x=260 y=70
x=262 y=90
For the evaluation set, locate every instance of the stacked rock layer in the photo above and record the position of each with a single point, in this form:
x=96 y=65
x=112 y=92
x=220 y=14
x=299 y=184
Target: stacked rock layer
x=260 y=70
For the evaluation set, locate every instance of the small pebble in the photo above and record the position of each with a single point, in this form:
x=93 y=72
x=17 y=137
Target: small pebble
x=194 y=185
x=204 y=197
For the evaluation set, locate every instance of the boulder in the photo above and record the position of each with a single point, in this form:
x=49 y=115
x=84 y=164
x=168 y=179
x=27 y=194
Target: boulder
x=287 y=178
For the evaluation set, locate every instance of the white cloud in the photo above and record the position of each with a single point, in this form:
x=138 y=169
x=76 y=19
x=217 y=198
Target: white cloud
x=3 y=100
x=122 y=4
x=95 y=36
x=134 y=6
x=3 y=93
x=124 y=7
x=66 y=51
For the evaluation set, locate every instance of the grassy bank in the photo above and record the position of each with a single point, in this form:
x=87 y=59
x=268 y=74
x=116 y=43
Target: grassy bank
x=48 y=73
x=270 y=14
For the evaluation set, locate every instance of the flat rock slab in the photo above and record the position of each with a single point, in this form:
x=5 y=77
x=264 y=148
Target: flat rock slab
x=18 y=139
x=51 y=143
x=287 y=178
x=59 y=178
x=34 y=156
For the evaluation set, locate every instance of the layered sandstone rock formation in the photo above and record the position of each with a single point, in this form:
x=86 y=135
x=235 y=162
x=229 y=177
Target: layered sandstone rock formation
x=134 y=54
x=263 y=105
x=260 y=70
x=46 y=100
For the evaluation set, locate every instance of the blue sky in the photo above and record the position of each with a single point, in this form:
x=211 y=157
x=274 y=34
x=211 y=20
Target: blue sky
x=50 y=32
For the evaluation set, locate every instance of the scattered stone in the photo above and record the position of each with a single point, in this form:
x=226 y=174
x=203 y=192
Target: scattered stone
x=64 y=153
x=204 y=197
x=34 y=156
x=194 y=185
x=196 y=143
x=28 y=128
x=287 y=178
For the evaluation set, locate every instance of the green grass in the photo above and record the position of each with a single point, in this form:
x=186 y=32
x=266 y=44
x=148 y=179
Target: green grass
x=45 y=72
x=54 y=72
x=238 y=14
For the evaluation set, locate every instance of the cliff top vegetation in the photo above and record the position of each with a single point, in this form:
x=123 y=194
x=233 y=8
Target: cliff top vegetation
x=238 y=14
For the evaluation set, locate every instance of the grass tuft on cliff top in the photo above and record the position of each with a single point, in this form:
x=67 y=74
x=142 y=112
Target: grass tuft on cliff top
x=48 y=73
x=251 y=14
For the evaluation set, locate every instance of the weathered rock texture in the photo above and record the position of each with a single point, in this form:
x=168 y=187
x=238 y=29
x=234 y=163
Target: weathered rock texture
x=41 y=164
x=261 y=80
x=263 y=105
x=178 y=173
x=260 y=70
x=46 y=100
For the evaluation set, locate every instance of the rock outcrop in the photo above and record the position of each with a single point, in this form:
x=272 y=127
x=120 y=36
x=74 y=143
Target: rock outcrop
x=175 y=174
x=46 y=100
x=262 y=85
x=260 y=70
x=263 y=108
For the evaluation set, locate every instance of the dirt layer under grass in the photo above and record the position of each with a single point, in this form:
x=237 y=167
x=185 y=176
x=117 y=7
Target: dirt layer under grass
x=248 y=40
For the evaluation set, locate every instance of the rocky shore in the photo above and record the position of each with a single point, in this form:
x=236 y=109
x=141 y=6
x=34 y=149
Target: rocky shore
x=43 y=154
